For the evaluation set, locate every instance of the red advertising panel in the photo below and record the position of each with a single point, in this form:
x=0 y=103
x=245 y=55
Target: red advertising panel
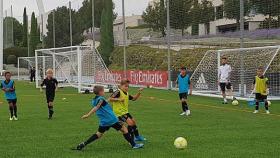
x=136 y=77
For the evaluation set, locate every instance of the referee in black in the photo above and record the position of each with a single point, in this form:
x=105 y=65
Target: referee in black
x=51 y=87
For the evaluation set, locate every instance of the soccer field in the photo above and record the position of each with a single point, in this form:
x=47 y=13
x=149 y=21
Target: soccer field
x=212 y=130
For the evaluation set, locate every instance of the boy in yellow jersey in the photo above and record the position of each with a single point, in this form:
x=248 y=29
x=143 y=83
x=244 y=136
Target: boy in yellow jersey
x=260 y=85
x=120 y=100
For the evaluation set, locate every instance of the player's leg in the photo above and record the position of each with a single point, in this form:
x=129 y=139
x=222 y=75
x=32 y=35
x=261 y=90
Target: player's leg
x=230 y=91
x=258 y=99
x=11 y=108
x=94 y=137
x=223 y=89
x=136 y=134
x=15 y=109
x=50 y=99
x=185 y=105
x=265 y=104
x=127 y=136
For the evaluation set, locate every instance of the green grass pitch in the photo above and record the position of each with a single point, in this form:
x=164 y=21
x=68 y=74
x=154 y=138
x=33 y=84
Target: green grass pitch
x=213 y=130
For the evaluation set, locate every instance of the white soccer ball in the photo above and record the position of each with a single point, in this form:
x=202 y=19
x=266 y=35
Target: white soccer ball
x=180 y=143
x=269 y=103
x=63 y=98
x=235 y=102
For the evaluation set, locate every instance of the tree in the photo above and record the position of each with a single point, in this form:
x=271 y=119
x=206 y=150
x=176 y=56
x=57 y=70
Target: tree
x=270 y=8
x=33 y=35
x=232 y=10
x=85 y=13
x=25 y=29
x=180 y=14
x=62 y=28
x=195 y=16
x=207 y=14
x=155 y=16
x=106 y=31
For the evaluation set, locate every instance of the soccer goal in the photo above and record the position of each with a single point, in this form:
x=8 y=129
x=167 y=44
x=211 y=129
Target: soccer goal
x=244 y=63
x=23 y=67
x=80 y=67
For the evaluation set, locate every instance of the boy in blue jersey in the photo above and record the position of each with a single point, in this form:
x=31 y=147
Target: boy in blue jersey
x=8 y=86
x=185 y=89
x=107 y=119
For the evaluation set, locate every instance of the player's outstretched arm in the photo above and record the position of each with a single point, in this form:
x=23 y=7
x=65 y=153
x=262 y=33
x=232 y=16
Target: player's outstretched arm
x=190 y=89
x=116 y=97
x=93 y=110
x=135 y=97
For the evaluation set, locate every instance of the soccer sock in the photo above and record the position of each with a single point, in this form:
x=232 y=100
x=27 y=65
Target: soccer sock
x=11 y=110
x=128 y=138
x=15 y=110
x=131 y=131
x=266 y=105
x=50 y=111
x=135 y=131
x=91 y=139
x=185 y=106
x=257 y=105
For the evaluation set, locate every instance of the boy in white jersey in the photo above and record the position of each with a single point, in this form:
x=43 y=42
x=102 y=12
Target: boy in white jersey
x=224 y=74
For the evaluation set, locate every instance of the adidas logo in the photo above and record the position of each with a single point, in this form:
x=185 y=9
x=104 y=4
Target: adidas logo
x=201 y=82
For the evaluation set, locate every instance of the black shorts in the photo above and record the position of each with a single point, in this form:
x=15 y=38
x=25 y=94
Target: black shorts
x=50 y=97
x=117 y=126
x=260 y=97
x=224 y=86
x=183 y=96
x=14 y=101
x=124 y=117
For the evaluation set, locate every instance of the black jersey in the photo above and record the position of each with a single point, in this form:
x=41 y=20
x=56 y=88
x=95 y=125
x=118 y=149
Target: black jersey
x=50 y=84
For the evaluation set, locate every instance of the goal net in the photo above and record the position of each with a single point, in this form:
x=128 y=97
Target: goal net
x=244 y=63
x=79 y=66
x=24 y=66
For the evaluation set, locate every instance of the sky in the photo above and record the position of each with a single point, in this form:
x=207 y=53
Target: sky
x=135 y=7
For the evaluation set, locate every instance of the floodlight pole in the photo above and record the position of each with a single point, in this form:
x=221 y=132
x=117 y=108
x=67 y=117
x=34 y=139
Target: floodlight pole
x=242 y=45
x=70 y=23
x=12 y=36
x=168 y=44
x=124 y=40
x=1 y=36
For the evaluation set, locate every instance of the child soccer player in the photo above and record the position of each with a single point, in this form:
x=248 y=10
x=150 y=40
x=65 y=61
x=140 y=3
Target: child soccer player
x=260 y=85
x=107 y=119
x=224 y=74
x=184 y=84
x=120 y=100
x=8 y=86
x=51 y=87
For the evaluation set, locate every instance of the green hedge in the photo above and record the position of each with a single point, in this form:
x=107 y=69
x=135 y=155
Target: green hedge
x=16 y=51
x=141 y=57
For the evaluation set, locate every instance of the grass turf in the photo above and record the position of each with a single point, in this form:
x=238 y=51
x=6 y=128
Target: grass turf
x=213 y=129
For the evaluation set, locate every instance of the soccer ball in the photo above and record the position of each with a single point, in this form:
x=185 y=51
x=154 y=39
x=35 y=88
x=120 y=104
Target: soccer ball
x=269 y=103
x=63 y=98
x=180 y=143
x=235 y=102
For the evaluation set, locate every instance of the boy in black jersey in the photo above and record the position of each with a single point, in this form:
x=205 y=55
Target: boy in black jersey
x=51 y=87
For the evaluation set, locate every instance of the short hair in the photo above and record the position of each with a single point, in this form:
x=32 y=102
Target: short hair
x=49 y=71
x=97 y=89
x=260 y=68
x=183 y=68
x=224 y=57
x=124 y=82
x=7 y=72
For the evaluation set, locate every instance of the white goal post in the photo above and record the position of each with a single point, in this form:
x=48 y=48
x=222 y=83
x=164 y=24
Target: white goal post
x=244 y=63
x=78 y=66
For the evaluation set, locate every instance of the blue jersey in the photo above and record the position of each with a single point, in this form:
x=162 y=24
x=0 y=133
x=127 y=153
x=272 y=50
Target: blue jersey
x=183 y=83
x=105 y=113
x=9 y=85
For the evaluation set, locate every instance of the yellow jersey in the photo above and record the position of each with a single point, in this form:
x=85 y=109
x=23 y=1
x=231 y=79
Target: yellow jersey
x=121 y=107
x=261 y=85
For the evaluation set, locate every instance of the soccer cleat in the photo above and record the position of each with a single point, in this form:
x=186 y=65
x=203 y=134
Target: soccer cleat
x=182 y=114
x=138 y=146
x=188 y=112
x=256 y=111
x=11 y=118
x=267 y=112
x=224 y=102
x=80 y=146
x=140 y=138
x=15 y=118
